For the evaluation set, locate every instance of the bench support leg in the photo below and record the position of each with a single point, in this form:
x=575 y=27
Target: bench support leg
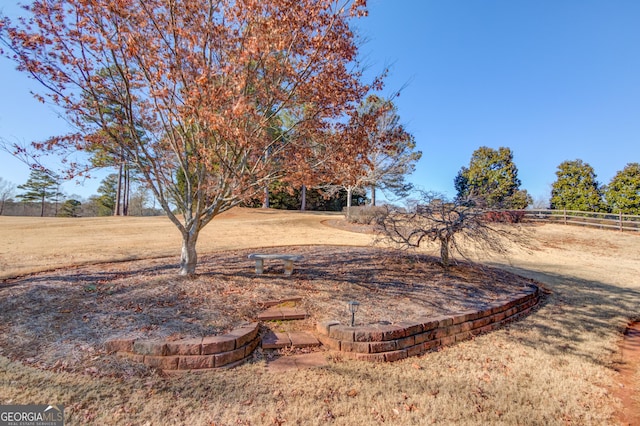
x=259 y=266
x=288 y=267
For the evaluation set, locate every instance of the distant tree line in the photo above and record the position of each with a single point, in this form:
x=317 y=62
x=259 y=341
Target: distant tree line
x=392 y=156
x=284 y=196
x=41 y=196
x=490 y=181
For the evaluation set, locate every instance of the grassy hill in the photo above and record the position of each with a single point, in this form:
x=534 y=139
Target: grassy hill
x=557 y=366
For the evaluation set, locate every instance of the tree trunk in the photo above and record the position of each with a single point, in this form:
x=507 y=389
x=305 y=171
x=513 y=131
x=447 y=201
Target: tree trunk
x=116 y=209
x=373 y=195
x=56 y=200
x=189 y=256
x=349 y=191
x=444 y=253
x=265 y=201
x=125 y=192
x=303 y=202
x=42 y=205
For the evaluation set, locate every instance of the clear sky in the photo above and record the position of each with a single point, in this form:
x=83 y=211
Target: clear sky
x=553 y=80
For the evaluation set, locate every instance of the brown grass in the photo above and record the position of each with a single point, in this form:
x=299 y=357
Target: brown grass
x=556 y=366
x=60 y=320
x=29 y=244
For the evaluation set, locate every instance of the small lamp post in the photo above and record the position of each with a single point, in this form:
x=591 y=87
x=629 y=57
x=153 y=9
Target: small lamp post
x=353 y=308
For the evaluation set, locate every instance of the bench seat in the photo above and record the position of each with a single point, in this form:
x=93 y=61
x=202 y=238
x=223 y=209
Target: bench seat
x=287 y=258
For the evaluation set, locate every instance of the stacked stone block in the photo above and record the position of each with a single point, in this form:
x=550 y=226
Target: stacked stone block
x=209 y=352
x=387 y=343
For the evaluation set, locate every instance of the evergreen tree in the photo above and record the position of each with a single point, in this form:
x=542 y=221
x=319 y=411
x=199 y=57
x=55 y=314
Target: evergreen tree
x=576 y=187
x=70 y=208
x=112 y=119
x=106 y=201
x=285 y=197
x=492 y=180
x=392 y=156
x=623 y=192
x=40 y=187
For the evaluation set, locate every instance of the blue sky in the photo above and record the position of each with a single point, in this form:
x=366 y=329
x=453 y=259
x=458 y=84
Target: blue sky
x=553 y=80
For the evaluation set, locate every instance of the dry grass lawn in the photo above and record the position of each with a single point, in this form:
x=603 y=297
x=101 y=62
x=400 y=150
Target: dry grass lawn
x=557 y=366
x=29 y=244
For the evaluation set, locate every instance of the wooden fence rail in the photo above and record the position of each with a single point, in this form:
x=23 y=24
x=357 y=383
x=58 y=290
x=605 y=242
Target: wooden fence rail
x=618 y=221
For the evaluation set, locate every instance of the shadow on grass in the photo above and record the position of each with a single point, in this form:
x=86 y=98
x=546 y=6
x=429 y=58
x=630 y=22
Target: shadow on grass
x=580 y=317
x=79 y=273
x=99 y=302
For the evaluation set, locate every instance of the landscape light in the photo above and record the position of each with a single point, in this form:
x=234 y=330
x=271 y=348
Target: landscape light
x=353 y=308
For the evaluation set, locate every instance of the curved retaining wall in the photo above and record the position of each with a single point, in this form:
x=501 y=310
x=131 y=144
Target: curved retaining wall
x=386 y=343
x=226 y=350
x=377 y=342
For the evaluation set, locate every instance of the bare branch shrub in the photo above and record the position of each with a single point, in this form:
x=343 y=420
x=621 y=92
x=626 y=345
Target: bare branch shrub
x=367 y=215
x=457 y=226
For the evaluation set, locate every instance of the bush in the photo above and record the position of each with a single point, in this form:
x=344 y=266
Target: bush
x=367 y=215
x=504 y=216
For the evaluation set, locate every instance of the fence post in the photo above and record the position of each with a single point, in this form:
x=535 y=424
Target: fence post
x=564 y=216
x=620 y=216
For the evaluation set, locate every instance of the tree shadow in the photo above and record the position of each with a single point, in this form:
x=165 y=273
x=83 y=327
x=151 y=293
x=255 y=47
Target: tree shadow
x=81 y=273
x=578 y=317
x=75 y=300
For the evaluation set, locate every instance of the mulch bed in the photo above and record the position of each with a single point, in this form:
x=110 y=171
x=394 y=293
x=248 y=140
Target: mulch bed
x=61 y=319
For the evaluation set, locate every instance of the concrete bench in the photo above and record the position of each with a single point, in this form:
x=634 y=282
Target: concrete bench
x=288 y=261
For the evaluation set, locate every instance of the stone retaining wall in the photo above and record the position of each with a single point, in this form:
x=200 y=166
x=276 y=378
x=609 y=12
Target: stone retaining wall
x=377 y=342
x=210 y=352
x=386 y=343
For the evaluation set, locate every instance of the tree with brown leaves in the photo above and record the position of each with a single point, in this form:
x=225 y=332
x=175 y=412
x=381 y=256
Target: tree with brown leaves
x=197 y=84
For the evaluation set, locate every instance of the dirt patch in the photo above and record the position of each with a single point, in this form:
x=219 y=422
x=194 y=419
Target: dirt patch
x=60 y=320
x=629 y=369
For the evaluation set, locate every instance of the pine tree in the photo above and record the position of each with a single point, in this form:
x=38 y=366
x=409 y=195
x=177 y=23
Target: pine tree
x=40 y=187
x=70 y=208
x=392 y=156
x=106 y=201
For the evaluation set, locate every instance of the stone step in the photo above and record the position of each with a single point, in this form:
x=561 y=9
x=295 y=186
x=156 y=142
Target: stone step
x=282 y=314
x=297 y=362
x=297 y=339
x=270 y=303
